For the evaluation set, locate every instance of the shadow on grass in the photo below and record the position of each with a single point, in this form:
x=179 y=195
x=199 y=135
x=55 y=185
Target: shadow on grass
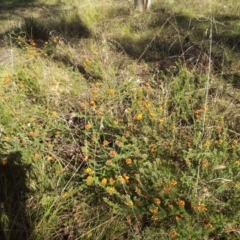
x=165 y=38
x=13 y=4
x=13 y=190
x=167 y=41
x=39 y=21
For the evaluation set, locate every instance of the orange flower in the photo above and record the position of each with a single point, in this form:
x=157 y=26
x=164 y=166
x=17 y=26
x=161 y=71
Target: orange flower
x=153 y=149
x=112 y=153
x=178 y=217
x=153 y=210
x=112 y=181
x=154 y=218
x=180 y=202
x=138 y=191
x=205 y=163
x=126 y=178
x=105 y=143
x=173 y=233
x=92 y=103
x=170 y=206
x=4 y=162
x=88 y=126
x=128 y=161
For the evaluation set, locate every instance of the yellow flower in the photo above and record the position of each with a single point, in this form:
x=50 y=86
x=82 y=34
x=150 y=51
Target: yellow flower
x=37 y=155
x=111 y=91
x=6 y=138
x=207 y=144
x=154 y=218
x=89 y=180
x=92 y=103
x=110 y=190
x=49 y=158
x=173 y=183
x=109 y=162
x=104 y=181
x=157 y=201
x=238 y=163
x=128 y=161
x=89 y=171
x=153 y=210
x=64 y=195
x=160 y=120
x=32 y=119
x=139 y=116
x=126 y=177
x=54 y=113
x=152 y=115
x=129 y=203
x=201 y=207
x=147 y=105
x=121 y=179
x=89 y=235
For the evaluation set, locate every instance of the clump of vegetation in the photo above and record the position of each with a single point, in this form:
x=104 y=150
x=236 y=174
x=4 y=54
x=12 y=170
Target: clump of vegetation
x=124 y=127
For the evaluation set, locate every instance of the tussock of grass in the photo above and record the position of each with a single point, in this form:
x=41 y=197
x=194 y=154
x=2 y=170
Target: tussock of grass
x=120 y=125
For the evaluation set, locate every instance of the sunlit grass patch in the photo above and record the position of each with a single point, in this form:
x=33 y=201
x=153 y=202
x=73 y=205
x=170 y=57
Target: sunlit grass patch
x=117 y=145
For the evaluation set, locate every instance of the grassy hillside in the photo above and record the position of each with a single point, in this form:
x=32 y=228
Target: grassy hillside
x=116 y=124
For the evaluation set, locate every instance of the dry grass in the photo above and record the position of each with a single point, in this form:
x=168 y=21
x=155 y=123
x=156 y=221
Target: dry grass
x=120 y=125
